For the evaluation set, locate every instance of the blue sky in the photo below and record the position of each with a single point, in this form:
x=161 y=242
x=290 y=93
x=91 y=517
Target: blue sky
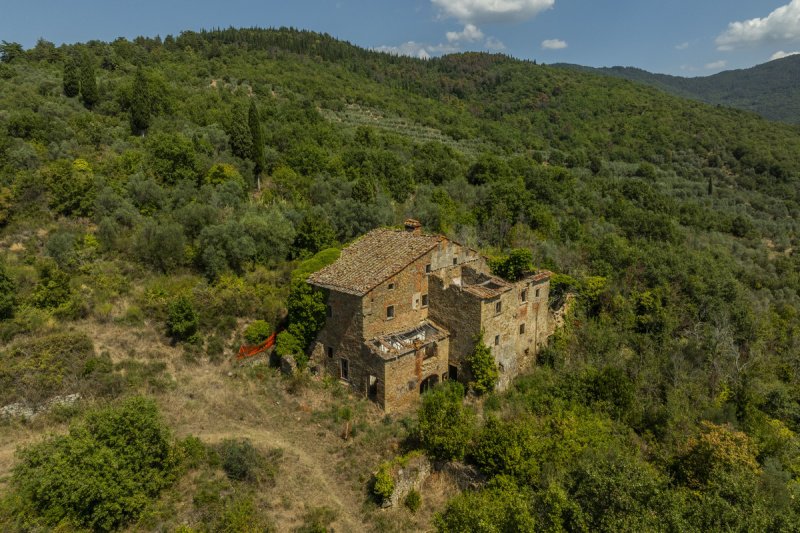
x=682 y=37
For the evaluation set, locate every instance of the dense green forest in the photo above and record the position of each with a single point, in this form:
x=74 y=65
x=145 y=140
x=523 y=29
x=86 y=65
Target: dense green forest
x=769 y=89
x=177 y=184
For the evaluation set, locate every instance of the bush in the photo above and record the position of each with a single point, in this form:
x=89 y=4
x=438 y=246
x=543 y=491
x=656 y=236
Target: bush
x=182 y=320
x=8 y=294
x=41 y=368
x=289 y=345
x=515 y=266
x=241 y=461
x=102 y=474
x=384 y=482
x=483 y=368
x=413 y=500
x=445 y=425
x=257 y=332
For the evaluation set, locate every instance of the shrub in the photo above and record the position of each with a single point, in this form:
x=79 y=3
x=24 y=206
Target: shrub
x=445 y=425
x=102 y=474
x=384 y=482
x=182 y=320
x=501 y=507
x=257 y=332
x=53 y=289
x=8 y=294
x=241 y=461
x=483 y=368
x=513 y=267
x=287 y=344
x=413 y=500
x=49 y=365
x=508 y=448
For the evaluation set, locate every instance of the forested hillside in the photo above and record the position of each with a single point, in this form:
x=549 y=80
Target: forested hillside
x=161 y=200
x=769 y=89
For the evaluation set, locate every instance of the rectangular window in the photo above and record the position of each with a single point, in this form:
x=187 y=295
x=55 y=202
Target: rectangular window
x=344 y=369
x=524 y=295
x=455 y=260
x=428 y=268
x=498 y=307
x=522 y=329
x=497 y=340
x=391 y=286
x=390 y=312
x=330 y=352
x=424 y=300
x=537 y=293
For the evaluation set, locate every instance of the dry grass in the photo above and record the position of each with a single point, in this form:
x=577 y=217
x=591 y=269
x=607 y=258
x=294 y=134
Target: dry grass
x=302 y=417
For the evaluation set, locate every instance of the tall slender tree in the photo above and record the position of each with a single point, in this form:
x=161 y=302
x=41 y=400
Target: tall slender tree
x=258 y=152
x=89 y=93
x=71 y=78
x=141 y=104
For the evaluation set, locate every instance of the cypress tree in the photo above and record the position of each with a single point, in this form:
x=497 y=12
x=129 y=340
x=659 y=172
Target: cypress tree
x=89 y=93
x=140 y=109
x=257 y=134
x=239 y=132
x=71 y=79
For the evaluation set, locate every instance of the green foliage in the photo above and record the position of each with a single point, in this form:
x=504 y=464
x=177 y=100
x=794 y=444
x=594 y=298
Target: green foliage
x=8 y=294
x=101 y=475
x=288 y=344
x=182 y=319
x=306 y=311
x=257 y=332
x=90 y=95
x=716 y=451
x=503 y=507
x=413 y=500
x=53 y=290
x=515 y=266
x=257 y=144
x=383 y=487
x=445 y=425
x=507 y=449
x=243 y=462
x=36 y=370
x=172 y=157
x=141 y=107
x=71 y=81
x=483 y=368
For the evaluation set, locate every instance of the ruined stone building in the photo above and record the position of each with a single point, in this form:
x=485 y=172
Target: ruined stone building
x=405 y=309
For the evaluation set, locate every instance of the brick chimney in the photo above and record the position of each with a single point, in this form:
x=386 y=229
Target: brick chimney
x=413 y=226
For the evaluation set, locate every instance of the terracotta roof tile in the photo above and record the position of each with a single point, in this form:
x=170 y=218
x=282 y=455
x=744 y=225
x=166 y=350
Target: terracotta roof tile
x=373 y=258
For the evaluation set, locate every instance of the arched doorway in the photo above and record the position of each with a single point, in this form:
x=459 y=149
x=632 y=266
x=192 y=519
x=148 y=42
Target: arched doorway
x=428 y=383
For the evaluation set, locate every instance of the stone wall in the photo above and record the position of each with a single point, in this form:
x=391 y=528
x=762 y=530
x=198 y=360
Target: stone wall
x=405 y=291
x=341 y=338
x=458 y=312
x=404 y=375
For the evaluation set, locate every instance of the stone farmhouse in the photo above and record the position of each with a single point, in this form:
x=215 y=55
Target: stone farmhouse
x=405 y=309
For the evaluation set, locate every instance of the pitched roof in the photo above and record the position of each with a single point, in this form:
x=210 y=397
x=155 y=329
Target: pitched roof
x=372 y=259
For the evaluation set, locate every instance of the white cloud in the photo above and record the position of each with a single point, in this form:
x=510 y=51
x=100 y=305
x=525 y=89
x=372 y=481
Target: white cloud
x=419 y=50
x=494 y=44
x=554 y=44
x=716 y=65
x=478 y=11
x=411 y=49
x=470 y=34
x=682 y=46
x=781 y=54
x=783 y=24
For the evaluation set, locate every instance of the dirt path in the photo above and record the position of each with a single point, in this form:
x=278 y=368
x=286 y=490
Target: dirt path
x=300 y=471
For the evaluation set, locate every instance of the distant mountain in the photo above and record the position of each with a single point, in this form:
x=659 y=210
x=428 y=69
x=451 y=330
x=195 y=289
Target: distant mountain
x=771 y=89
